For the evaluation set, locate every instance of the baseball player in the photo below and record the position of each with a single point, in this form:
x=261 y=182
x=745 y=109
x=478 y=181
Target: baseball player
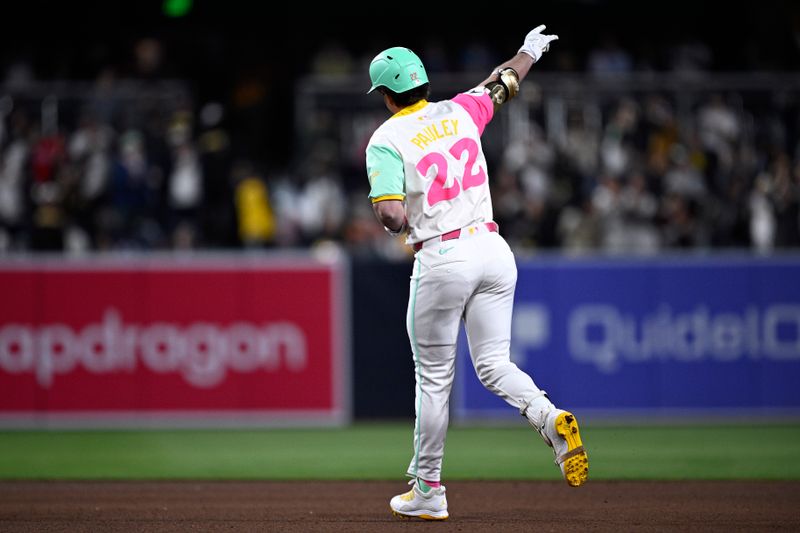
x=429 y=178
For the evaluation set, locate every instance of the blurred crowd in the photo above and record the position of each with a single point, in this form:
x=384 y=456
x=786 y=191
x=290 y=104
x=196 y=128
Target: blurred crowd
x=162 y=172
x=644 y=182
x=146 y=184
x=622 y=171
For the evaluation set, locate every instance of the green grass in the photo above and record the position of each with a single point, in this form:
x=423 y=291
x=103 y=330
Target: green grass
x=383 y=451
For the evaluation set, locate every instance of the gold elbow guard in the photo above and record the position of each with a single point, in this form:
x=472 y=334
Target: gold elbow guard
x=504 y=88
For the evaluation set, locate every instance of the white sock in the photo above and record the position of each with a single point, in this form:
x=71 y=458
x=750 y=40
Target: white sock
x=537 y=410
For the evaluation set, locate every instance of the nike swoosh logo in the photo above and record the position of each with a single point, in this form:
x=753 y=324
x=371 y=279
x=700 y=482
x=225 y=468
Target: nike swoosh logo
x=443 y=251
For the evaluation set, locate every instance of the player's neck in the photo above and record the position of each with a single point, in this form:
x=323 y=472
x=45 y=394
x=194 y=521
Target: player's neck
x=394 y=109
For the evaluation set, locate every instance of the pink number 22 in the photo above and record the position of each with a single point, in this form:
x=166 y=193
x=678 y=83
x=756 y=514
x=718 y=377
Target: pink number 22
x=437 y=191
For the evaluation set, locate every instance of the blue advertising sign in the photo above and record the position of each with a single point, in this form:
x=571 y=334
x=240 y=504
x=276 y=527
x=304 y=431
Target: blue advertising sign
x=652 y=335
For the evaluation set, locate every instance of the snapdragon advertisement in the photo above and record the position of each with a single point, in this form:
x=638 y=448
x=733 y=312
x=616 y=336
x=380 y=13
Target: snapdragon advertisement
x=670 y=335
x=216 y=341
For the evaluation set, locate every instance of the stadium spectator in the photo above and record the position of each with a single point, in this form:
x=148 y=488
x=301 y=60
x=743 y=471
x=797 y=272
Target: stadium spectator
x=129 y=162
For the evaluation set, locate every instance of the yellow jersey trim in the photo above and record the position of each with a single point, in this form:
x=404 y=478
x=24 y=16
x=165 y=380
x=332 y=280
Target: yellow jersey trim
x=411 y=109
x=400 y=197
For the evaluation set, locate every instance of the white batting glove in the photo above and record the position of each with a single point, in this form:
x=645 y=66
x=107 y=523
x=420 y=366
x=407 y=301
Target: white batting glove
x=536 y=43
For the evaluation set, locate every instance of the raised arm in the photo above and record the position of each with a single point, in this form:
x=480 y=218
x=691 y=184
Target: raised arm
x=521 y=63
x=503 y=83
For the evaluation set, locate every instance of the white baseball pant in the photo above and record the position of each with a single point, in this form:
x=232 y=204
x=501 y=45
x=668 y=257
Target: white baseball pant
x=473 y=278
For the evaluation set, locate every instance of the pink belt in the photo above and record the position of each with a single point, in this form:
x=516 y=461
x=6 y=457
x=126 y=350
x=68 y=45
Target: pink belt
x=455 y=234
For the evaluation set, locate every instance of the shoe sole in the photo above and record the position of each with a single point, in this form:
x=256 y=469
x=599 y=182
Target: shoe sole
x=575 y=462
x=422 y=516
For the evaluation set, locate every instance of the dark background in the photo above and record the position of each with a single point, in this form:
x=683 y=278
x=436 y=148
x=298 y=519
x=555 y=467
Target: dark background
x=219 y=44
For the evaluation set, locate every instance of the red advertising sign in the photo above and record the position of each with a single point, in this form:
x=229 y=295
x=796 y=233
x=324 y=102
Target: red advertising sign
x=217 y=341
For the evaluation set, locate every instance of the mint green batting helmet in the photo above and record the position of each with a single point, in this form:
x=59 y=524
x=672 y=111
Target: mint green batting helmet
x=398 y=69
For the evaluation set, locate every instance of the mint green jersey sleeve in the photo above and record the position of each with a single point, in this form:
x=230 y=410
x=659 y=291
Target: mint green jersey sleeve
x=386 y=174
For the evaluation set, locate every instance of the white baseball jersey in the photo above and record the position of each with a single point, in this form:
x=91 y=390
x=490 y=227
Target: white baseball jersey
x=430 y=154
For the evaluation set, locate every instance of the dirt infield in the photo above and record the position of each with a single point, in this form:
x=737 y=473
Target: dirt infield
x=348 y=506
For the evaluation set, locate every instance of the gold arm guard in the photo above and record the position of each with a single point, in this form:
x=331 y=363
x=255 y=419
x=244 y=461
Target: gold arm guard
x=504 y=88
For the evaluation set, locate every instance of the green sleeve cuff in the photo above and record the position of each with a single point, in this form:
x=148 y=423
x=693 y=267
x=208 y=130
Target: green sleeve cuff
x=385 y=172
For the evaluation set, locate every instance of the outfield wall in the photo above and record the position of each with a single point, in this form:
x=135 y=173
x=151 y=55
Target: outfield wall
x=263 y=339
x=171 y=341
x=667 y=335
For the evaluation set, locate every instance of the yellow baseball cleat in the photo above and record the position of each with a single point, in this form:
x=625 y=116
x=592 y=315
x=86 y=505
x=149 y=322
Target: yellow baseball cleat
x=431 y=505
x=561 y=432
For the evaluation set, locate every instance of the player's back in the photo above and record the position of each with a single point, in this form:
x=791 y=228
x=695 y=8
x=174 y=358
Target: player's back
x=446 y=179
